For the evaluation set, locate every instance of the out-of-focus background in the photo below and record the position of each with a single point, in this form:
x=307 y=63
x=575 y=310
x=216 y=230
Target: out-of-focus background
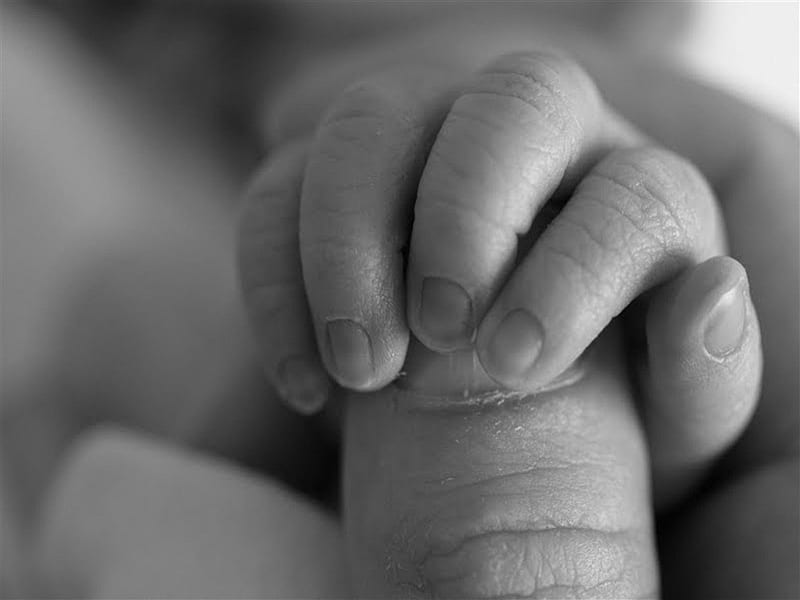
x=748 y=48
x=118 y=204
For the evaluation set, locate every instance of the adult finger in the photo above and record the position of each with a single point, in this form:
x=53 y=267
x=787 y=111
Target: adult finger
x=357 y=199
x=639 y=218
x=527 y=124
x=454 y=489
x=131 y=518
x=703 y=374
x=272 y=280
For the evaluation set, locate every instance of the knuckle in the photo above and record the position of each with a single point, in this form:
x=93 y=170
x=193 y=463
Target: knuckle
x=267 y=236
x=466 y=172
x=367 y=153
x=524 y=526
x=563 y=561
x=574 y=252
x=545 y=501
x=456 y=180
x=339 y=247
x=554 y=86
x=335 y=265
x=509 y=136
x=364 y=119
x=513 y=536
x=655 y=193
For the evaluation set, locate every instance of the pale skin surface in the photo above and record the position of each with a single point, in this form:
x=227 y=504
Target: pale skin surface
x=606 y=459
x=693 y=403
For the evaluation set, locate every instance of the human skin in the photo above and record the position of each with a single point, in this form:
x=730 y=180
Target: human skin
x=368 y=438
x=433 y=437
x=499 y=494
x=742 y=152
x=132 y=516
x=764 y=183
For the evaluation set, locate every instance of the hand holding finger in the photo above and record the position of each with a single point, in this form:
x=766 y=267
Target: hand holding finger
x=638 y=219
x=272 y=280
x=523 y=127
x=703 y=375
x=356 y=209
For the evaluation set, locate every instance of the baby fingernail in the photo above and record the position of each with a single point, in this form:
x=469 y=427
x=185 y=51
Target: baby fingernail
x=515 y=346
x=725 y=326
x=304 y=386
x=351 y=351
x=446 y=313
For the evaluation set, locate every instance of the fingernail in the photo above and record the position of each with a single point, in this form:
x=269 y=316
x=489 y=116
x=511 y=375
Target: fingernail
x=446 y=313
x=303 y=386
x=513 y=349
x=351 y=352
x=725 y=326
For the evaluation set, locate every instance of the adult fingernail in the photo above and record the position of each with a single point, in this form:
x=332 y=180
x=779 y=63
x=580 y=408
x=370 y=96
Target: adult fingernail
x=302 y=384
x=515 y=346
x=725 y=325
x=351 y=352
x=446 y=313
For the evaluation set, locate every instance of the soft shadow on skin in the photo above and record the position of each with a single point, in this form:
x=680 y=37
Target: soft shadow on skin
x=501 y=494
x=456 y=381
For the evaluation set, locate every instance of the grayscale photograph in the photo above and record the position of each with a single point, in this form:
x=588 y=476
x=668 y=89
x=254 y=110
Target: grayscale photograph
x=412 y=299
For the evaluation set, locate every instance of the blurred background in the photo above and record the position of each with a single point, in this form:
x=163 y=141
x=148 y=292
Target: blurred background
x=128 y=129
x=748 y=48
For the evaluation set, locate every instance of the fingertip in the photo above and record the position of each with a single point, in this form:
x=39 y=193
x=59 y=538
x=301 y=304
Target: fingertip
x=303 y=384
x=445 y=319
x=705 y=366
x=708 y=308
x=361 y=357
x=512 y=349
x=350 y=348
x=270 y=277
x=725 y=324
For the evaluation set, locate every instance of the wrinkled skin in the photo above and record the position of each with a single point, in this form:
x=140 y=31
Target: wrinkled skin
x=699 y=542
x=455 y=493
x=745 y=155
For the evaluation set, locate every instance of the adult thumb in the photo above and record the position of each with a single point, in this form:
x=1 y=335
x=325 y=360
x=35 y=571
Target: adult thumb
x=455 y=490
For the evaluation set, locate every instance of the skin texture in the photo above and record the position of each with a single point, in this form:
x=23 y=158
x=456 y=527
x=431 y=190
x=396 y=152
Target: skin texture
x=700 y=539
x=500 y=495
x=409 y=447
x=743 y=153
x=721 y=161
x=640 y=216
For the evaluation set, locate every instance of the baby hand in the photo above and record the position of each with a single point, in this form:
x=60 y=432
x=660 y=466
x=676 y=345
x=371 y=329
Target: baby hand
x=469 y=172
